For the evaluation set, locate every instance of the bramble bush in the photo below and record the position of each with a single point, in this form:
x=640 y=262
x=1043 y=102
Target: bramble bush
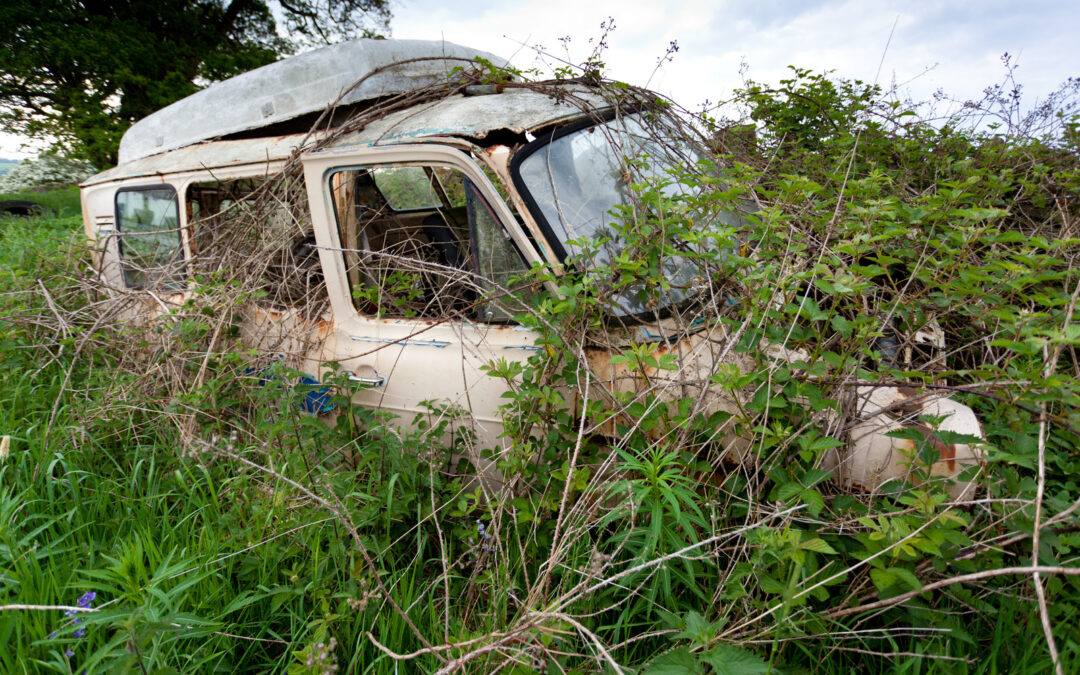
x=221 y=527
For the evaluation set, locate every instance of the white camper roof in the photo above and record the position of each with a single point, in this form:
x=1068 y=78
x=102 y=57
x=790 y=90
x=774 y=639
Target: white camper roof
x=293 y=87
x=515 y=109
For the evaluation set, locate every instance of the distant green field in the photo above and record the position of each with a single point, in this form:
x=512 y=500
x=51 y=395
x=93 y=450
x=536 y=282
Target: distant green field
x=6 y=165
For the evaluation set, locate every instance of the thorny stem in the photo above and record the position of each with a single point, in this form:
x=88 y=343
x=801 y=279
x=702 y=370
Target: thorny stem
x=1050 y=364
x=556 y=544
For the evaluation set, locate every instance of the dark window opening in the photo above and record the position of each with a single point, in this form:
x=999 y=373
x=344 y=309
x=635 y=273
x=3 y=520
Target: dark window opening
x=232 y=220
x=421 y=241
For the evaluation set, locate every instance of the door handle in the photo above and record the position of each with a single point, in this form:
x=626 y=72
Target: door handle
x=377 y=381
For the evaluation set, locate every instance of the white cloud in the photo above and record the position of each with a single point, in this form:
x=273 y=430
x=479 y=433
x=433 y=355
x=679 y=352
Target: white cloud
x=11 y=147
x=961 y=41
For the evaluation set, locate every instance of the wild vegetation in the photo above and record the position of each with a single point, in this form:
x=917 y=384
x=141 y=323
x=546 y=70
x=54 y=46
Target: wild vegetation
x=79 y=74
x=43 y=172
x=191 y=517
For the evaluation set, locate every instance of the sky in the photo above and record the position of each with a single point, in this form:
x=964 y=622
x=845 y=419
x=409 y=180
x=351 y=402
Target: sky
x=954 y=46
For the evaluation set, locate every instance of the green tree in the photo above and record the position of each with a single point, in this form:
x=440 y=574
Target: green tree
x=81 y=72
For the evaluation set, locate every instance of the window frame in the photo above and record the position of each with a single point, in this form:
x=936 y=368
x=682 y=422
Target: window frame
x=430 y=168
x=318 y=168
x=538 y=143
x=183 y=278
x=319 y=165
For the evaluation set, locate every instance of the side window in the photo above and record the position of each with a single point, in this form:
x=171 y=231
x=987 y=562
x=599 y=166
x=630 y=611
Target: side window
x=210 y=207
x=407 y=188
x=148 y=222
x=441 y=253
x=233 y=219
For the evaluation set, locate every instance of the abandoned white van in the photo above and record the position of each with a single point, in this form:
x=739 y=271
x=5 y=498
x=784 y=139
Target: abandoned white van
x=416 y=203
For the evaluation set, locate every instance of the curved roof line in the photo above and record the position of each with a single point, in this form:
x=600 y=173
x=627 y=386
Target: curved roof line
x=293 y=87
x=516 y=109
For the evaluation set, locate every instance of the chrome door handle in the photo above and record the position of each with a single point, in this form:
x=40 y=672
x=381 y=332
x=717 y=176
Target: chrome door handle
x=377 y=381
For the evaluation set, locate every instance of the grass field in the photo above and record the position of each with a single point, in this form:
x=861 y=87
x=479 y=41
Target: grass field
x=218 y=564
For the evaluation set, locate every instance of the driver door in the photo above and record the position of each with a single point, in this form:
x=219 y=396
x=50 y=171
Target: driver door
x=415 y=242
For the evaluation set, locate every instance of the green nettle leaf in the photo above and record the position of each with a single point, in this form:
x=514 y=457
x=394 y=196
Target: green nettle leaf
x=668 y=362
x=698 y=630
x=818 y=545
x=786 y=491
x=883 y=579
x=770 y=584
x=809 y=309
x=980 y=213
x=731 y=660
x=678 y=662
x=907 y=576
x=1026 y=348
x=814 y=504
x=841 y=325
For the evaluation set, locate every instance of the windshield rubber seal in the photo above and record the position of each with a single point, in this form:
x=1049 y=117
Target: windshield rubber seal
x=622 y=318
x=523 y=190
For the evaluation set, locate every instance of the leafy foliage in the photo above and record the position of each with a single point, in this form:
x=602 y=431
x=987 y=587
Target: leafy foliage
x=81 y=73
x=46 y=170
x=636 y=527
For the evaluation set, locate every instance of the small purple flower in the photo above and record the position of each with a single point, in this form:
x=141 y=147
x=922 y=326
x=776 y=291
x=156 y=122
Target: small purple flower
x=85 y=601
x=69 y=653
x=482 y=531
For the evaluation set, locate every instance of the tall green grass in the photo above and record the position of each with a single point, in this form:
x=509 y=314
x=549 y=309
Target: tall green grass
x=196 y=566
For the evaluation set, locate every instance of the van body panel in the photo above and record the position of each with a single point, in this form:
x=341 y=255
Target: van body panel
x=257 y=154
x=417 y=366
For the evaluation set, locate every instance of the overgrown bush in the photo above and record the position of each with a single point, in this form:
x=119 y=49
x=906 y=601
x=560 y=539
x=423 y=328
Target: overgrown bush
x=46 y=170
x=223 y=528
